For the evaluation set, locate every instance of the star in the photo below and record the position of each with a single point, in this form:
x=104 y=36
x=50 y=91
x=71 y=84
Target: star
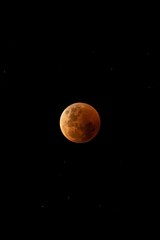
x=68 y=197
x=44 y=205
x=99 y=205
x=93 y=52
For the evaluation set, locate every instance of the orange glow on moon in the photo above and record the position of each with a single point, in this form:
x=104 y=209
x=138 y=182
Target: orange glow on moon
x=80 y=122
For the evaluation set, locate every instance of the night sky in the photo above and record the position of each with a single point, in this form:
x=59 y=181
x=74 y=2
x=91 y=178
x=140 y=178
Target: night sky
x=51 y=60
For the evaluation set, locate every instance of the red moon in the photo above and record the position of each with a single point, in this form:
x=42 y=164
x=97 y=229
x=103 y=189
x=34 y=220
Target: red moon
x=80 y=122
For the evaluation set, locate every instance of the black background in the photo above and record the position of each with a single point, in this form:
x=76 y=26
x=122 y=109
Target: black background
x=52 y=57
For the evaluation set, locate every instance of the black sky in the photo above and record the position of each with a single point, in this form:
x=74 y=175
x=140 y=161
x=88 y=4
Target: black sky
x=107 y=59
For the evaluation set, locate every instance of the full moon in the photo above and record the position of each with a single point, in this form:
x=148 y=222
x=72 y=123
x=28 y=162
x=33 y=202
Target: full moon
x=80 y=122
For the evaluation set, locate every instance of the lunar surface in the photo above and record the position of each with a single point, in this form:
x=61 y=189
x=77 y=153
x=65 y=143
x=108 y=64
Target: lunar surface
x=80 y=122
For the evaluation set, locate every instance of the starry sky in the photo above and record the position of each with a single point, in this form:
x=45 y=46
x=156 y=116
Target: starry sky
x=48 y=62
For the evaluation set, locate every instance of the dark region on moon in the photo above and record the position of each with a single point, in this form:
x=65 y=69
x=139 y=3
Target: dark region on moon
x=74 y=113
x=83 y=131
x=89 y=128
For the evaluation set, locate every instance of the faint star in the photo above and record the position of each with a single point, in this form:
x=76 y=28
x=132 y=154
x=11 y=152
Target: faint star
x=68 y=197
x=99 y=205
x=149 y=86
x=93 y=52
x=4 y=71
x=44 y=206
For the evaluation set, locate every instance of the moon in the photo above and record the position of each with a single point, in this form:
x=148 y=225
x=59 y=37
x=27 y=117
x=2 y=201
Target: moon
x=80 y=122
